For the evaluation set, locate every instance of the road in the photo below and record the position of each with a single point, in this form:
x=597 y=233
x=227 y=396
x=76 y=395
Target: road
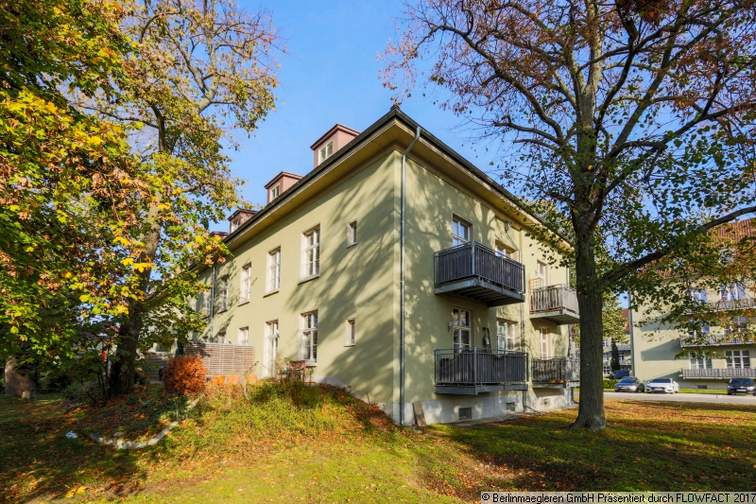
x=698 y=398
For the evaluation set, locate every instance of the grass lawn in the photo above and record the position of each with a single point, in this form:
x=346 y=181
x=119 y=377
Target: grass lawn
x=319 y=445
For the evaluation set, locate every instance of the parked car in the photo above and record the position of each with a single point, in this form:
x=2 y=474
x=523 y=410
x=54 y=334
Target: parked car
x=620 y=373
x=629 y=384
x=741 y=386
x=666 y=385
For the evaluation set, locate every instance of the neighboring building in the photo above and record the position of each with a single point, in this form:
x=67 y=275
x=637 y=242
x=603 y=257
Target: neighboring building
x=660 y=350
x=398 y=270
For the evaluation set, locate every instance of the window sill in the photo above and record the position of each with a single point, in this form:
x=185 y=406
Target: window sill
x=351 y=245
x=270 y=293
x=350 y=345
x=307 y=279
x=242 y=303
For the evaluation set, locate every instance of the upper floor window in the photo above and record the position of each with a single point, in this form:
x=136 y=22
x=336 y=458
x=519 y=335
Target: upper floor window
x=310 y=336
x=545 y=340
x=325 y=151
x=351 y=332
x=351 y=233
x=732 y=292
x=222 y=294
x=311 y=253
x=700 y=361
x=242 y=336
x=275 y=192
x=461 y=231
x=234 y=225
x=274 y=270
x=698 y=295
x=245 y=283
x=542 y=273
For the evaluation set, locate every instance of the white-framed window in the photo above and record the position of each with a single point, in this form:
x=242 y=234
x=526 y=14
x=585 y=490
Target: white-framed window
x=542 y=273
x=461 y=231
x=699 y=295
x=274 y=270
x=738 y=359
x=700 y=361
x=245 y=283
x=461 y=329
x=310 y=336
x=242 y=336
x=351 y=332
x=732 y=292
x=220 y=337
x=222 y=294
x=203 y=302
x=325 y=151
x=234 y=225
x=270 y=348
x=545 y=343
x=311 y=252
x=351 y=233
x=506 y=335
x=275 y=192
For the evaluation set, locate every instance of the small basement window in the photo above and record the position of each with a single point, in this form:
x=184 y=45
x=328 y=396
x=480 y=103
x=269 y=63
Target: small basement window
x=465 y=413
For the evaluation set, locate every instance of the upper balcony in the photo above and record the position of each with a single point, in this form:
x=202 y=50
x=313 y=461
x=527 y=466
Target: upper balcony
x=708 y=340
x=477 y=272
x=557 y=303
x=473 y=371
x=718 y=373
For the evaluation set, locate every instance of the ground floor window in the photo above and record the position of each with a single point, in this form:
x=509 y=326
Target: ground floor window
x=738 y=359
x=461 y=330
x=310 y=336
x=242 y=337
x=506 y=335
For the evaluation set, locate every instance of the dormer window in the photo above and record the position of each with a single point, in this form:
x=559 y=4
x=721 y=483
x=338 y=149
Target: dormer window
x=275 y=191
x=326 y=151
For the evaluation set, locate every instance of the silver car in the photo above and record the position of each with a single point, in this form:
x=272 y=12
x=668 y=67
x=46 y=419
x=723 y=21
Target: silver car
x=629 y=384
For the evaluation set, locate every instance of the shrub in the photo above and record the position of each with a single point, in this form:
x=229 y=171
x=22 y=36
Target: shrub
x=185 y=375
x=609 y=383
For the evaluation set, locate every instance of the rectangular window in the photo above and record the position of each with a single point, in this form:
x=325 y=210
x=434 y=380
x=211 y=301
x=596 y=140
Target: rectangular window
x=506 y=335
x=700 y=361
x=242 y=336
x=351 y=334
x=274 y=270
x=310 y=336
x=461 y=231
x=275 y=192
x=545 y=339
x=738 y=359
x=222 y=294
x=732 y=292
x=220 y=337
x=542 y=273
x=698 y=295
x=461 y=331
x=311 y=253
x=326 y=151
x=245 y=283
x=270 y=348
x=351 y=233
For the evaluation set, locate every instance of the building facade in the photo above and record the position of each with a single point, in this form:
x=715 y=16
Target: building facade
x=398 y=270
x=708 y=362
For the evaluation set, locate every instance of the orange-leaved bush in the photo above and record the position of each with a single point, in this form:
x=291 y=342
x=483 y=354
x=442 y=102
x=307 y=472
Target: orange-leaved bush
x=185 y=375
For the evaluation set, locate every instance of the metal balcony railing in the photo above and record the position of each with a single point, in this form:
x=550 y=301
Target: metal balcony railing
x=476 y=366
x=475 y=260
x=557 y=370
x=719 y=373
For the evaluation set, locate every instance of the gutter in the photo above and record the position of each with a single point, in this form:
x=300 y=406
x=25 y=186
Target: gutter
x=403 y=197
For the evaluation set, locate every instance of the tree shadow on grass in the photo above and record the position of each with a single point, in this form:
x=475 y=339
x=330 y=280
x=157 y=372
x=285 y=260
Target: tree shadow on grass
x=38 y=461
x=651 y=453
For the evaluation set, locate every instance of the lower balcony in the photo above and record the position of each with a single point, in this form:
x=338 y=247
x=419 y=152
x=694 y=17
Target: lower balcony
x=559 y=371
x=475 y=271
x=717 y=373
x=557 y=303
x=714 y=340
x=475 y=371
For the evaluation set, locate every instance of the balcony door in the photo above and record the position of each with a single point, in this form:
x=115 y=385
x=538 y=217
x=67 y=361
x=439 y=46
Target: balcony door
x=461 y=329
x=271 y=348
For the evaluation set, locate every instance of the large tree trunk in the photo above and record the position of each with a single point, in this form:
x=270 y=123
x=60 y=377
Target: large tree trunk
x=590 y=301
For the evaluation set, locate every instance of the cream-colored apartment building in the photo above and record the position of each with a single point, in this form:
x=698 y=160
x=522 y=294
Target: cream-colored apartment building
x=709 y=361
x=396 y=269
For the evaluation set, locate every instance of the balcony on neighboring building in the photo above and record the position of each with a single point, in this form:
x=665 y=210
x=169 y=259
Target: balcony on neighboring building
x=718 y=373
x=474 y=371
x=477 y=272
x=557 y=303
x=708 y=340
x=559 y=371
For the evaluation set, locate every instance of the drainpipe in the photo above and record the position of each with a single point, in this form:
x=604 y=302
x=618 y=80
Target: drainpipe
x=401 y=274
x=633 y=371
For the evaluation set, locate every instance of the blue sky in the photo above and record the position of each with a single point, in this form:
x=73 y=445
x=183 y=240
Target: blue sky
x=330 y=74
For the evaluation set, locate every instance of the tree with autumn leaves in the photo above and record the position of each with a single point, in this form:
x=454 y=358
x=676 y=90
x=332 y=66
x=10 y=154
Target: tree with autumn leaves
x=113 y=118
x=633 y=119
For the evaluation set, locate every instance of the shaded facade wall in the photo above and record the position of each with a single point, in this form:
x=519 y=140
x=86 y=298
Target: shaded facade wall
x=432 y=200
x=355 y=282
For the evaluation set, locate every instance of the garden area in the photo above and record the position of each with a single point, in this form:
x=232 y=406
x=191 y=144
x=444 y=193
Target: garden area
x=292 y=442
